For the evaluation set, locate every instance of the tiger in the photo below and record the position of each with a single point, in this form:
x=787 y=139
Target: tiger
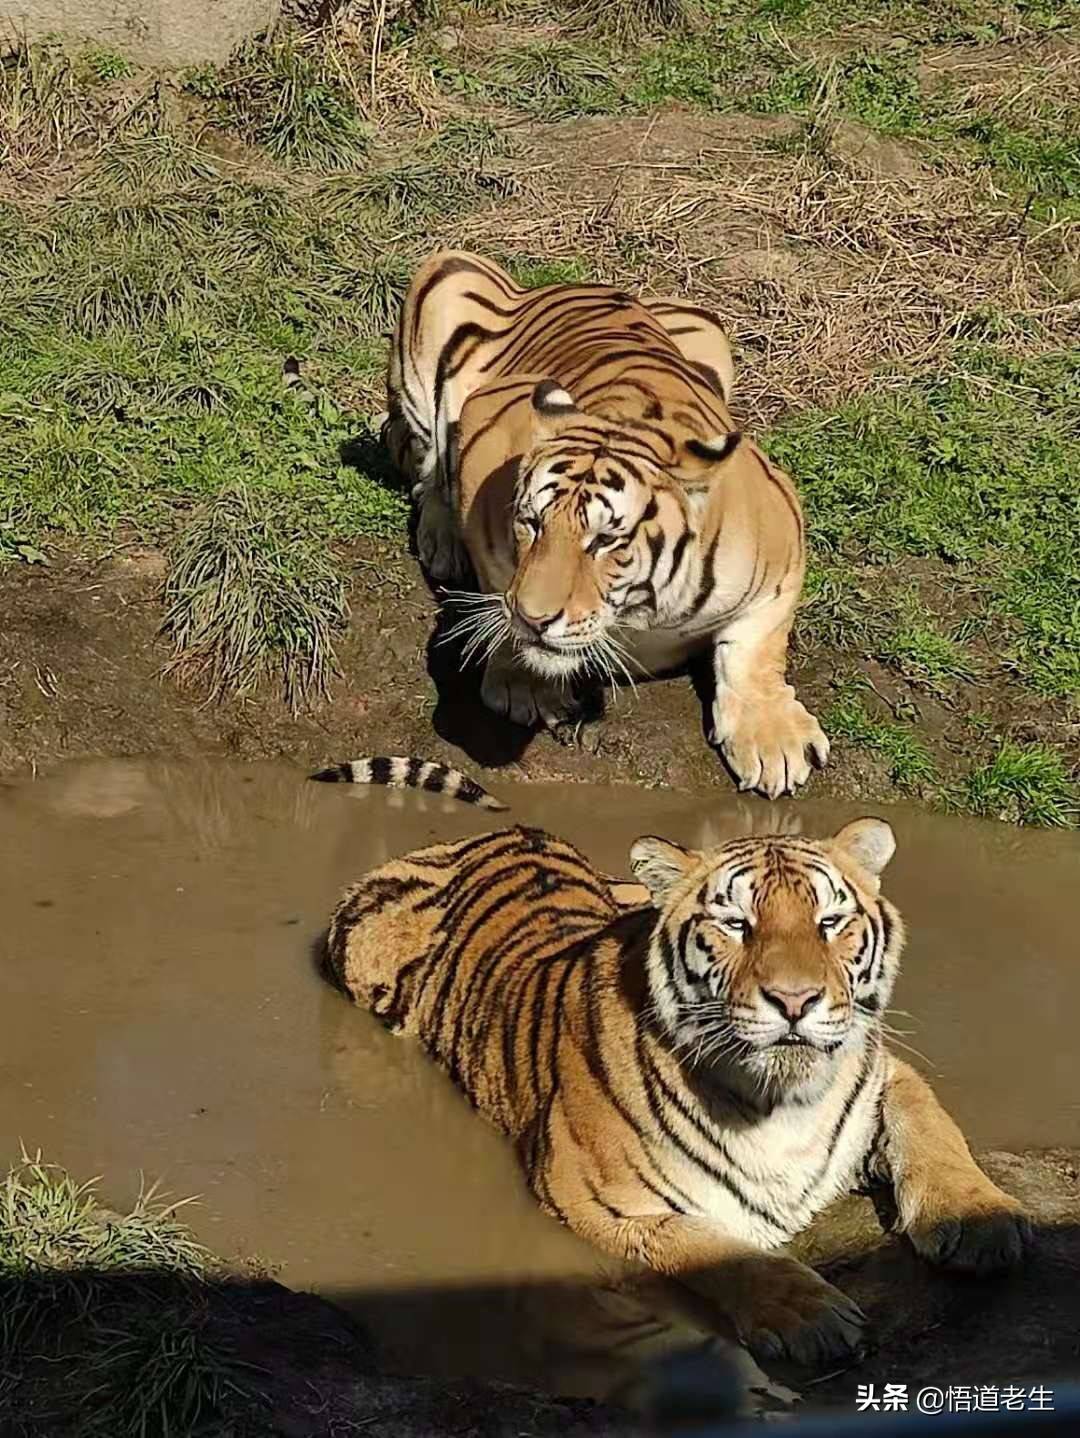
x=572 y=447
x=688 y=1080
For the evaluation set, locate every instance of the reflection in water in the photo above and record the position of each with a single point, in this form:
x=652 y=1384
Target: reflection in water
x=163 y=1013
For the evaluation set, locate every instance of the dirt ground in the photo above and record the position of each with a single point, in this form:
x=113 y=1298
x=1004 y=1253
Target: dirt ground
x=805 y=263
x=81 y=674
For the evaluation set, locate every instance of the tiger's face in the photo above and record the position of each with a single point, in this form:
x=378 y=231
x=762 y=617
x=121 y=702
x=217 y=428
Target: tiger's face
x=771 y=955
x=601 y=531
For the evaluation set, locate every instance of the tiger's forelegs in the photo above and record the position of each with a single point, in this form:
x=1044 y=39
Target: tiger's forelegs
x=522 y=697
x=770 y=1302
x=768 y=739
x=438 y=541
x=949 y=1209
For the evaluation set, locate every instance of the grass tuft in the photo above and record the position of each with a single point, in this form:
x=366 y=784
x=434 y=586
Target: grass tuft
x=116 y=1302
x=252 y=593
x=44 y=108
x=628 y=20
x=283 y=95
x=913 y=644
x=169 y=1376
x=1023 y=784
x=552 y=81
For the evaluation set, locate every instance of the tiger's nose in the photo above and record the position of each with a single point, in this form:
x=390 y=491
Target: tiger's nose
x=535 y=623
x=794 y=1004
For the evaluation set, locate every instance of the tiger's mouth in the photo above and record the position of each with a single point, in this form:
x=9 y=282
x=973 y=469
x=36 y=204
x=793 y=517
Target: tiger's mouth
x=552 y=660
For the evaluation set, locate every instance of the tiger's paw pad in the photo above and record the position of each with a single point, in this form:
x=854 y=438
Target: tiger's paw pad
x=794 y=1313
x=992 y=1239
x=770 y=745
x=524 y=701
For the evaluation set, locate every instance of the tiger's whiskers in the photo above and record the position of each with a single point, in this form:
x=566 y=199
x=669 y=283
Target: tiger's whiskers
x=483 y=627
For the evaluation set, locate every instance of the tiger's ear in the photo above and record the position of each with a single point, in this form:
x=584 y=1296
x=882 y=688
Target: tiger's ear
x=660 y=865
x=717 y=448
x=870 y=842
x=552 y=406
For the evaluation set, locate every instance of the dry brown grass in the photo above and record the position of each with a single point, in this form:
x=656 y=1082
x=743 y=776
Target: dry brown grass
x=1046 y=78
x=826 y=270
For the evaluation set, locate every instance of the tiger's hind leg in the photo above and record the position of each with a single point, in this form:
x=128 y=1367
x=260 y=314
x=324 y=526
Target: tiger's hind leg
x=700 y=336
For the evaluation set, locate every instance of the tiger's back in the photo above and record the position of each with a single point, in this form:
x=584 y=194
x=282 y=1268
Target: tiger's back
x=481 y=949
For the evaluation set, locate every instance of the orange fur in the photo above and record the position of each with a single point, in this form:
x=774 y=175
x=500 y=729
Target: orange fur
x=573 y=447
x=687 y=1081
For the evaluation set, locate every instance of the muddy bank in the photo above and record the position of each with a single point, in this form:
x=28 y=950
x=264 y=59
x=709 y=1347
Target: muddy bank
x=81 y=666
x=164 y=1015
x=307 y=1370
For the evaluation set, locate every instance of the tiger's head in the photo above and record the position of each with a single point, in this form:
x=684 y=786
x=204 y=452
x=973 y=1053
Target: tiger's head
x=602 y=521
x=771 y=956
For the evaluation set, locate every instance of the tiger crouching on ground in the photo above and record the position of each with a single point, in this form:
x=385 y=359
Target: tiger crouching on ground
x=572 y=446
x=690 y=1081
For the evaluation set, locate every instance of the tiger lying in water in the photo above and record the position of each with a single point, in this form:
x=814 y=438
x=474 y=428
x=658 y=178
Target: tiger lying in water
x=572 y=445
x=687 y=1080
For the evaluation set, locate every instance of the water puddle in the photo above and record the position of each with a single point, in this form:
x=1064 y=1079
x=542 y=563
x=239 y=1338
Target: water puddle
x=162 y=1013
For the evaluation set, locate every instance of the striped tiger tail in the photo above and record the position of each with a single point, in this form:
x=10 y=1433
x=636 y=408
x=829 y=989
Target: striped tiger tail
x=400 y=772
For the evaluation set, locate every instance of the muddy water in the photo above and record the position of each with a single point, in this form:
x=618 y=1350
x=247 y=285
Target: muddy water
x=161 y=1013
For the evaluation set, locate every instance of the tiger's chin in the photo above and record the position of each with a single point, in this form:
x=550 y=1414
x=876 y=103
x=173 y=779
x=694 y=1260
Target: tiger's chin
x=781 y=1070
x=551 y=663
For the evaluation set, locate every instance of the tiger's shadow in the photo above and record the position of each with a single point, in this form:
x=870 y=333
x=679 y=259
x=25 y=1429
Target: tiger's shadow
x=462 y=718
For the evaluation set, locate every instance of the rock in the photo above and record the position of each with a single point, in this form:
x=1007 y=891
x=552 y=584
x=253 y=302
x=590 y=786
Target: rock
x=170 y=33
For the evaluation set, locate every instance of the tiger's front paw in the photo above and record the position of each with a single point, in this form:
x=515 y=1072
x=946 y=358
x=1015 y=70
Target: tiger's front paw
x=785 y=1310
x=508 y=691
x=769 y=744
x=981 y=1231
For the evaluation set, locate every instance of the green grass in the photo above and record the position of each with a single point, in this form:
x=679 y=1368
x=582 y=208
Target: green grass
x=1023 y=784
x=104 y=66
x=976 y=470
x=879 y=90
x=551 y=81
x=112 y=1305
x=753 y=56
x=914 y=645
x=146 y=322
x=251 y=592
x=533 y=274
x=967 y=480
x=286 y=98
x=909 y=762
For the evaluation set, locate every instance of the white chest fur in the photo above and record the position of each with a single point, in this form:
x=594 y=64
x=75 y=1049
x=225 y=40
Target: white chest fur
x=764 y=1180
